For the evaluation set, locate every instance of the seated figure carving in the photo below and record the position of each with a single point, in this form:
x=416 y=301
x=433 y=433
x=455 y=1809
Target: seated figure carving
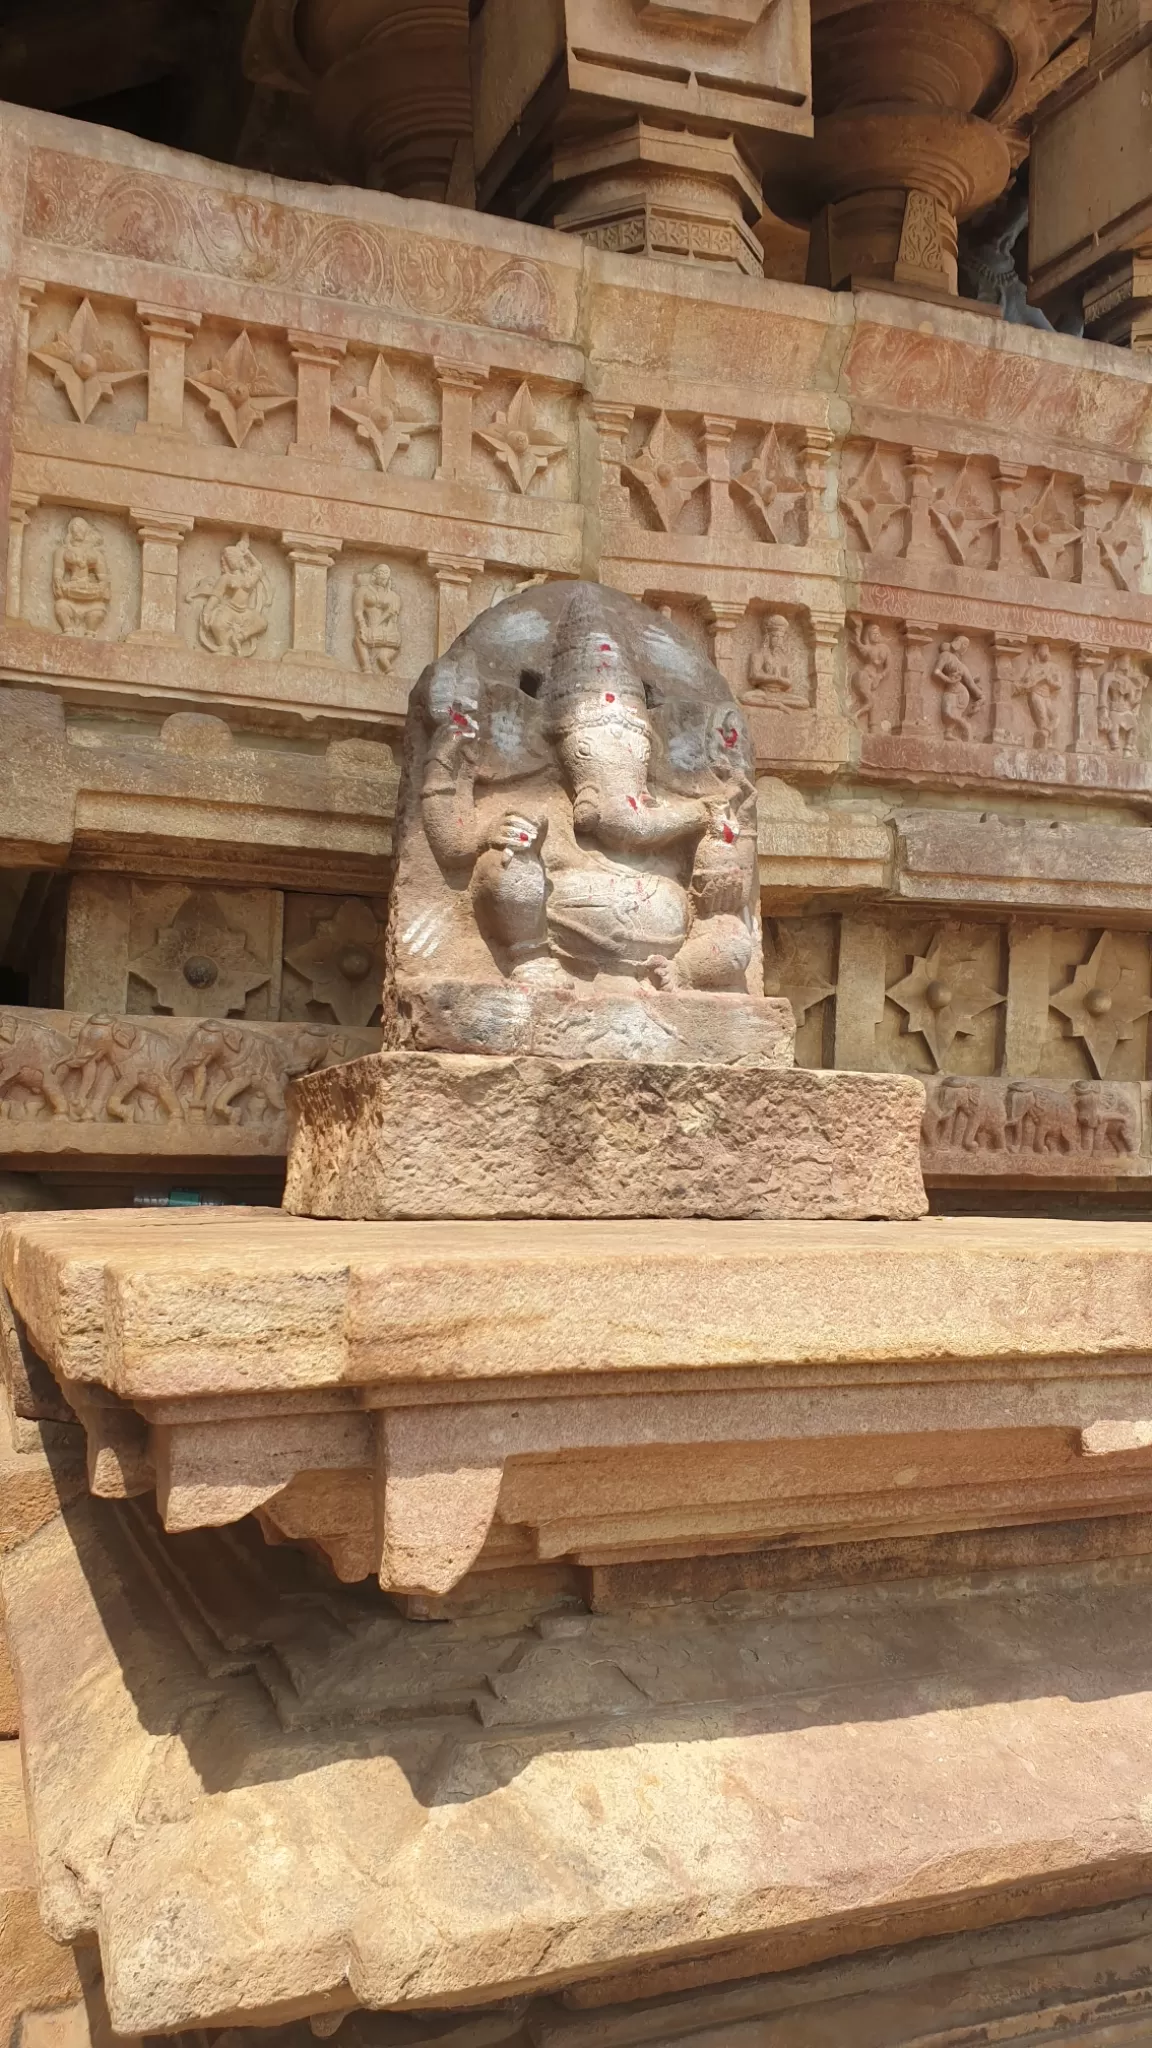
x=577 y=828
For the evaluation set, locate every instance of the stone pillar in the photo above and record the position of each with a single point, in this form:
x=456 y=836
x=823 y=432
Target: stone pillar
x=31 y=290
x=390 y=91
x=315 y=358
x=639 y=126
x=612 y=423
x=917 y=712
x=454 y=576
x=920 y=468
x=901 y=154
x=311 y=556
x=21 y=505
x=160 y=536
x=1090 y=665
x=459 y=383
x=1006 y=651
x=815 y=449
x=723 y=620
x=718 y=432
x=169 y=332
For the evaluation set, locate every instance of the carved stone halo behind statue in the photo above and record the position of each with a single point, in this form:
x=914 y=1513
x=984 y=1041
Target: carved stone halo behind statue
x=574 y=1003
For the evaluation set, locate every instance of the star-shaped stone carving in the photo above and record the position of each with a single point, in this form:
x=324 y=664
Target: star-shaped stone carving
x=237 y=390
x=200 y=966
x=795 y=978
x=344 y=962
x=83 y=363
x=520 y=444
x=1044 y=533
x=959 y=518
x=770 y=499
x=942 y=998
x=1102 y=1003
x=1122 y=545
x=870 y=505
x=667 y=480
x=375 y=412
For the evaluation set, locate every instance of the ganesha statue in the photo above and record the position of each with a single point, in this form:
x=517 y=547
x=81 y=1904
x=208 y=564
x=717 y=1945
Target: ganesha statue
x=576 y=843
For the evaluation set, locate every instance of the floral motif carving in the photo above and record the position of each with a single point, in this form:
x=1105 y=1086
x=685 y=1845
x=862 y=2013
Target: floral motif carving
x=1122 y=544
x=668 y=481
x=793 y=975
x=942 y=997
x=1044 y=532
x=374 y=409
x=1102 y=1003
x=201 y=966
x=234 y=616
x=84 y=365
x=86 y=204
x=81 y=582
x=765 y=488
x=520 y=444
x=960 y=517
x=871 y=505
x=344 y=962
x=238 y=391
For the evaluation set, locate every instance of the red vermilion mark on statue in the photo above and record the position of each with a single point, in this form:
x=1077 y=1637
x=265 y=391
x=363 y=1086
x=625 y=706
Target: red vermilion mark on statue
x=729 y=835
x=609 y=697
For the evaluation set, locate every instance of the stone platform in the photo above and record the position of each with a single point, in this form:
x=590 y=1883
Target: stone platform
x=431 y=1136
x=439 y=1403
x=268 y=1797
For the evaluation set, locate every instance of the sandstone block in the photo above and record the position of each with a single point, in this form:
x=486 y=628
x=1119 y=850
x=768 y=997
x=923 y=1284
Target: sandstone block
x=404 y=1135
x=562 y=1024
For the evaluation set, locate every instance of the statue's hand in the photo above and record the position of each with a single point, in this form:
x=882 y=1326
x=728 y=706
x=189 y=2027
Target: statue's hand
x=514 y=833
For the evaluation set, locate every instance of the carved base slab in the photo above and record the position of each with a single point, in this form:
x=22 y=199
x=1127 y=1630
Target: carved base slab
x=411 y=1136
x=574 y=1024
x=288 y=1800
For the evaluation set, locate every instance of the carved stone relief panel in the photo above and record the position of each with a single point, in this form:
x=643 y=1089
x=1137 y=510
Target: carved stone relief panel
x=200 y=952
x=874 y=499
x=767 y=487
x=236 y=595
x=945 y=987
x=87 y=362
x=800 y=962
x=963 y=523
x=875 y=671
x=1046 y=533
x=333 y=959
x=80 y=573
x=522 y=436
x=242 y=389
x=777 y=660
x=1100 y=996
x=381 y=615
x=1033 y=1128
x=665 y=473
x=386 y=414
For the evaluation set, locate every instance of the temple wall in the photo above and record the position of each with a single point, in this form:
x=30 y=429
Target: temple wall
x=309 y=432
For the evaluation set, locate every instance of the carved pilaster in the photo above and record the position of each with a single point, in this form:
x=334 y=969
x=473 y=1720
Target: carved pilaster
x=169 y=331
x=31 y=290
x=815 y=449
x=1089 y=504
x=920 y=469
x=1007 y=649
x=1026 y=1010
x=1009 y=477
x=612 y=423
x=315 y=357
x=917 y=710
x=723 y=621
x=459 y=384
x=1090 y=665
x=21 y=506
x=454 y=576
x=717 y=445
x=311 y=556
x=160 y=536
x=827 y=634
